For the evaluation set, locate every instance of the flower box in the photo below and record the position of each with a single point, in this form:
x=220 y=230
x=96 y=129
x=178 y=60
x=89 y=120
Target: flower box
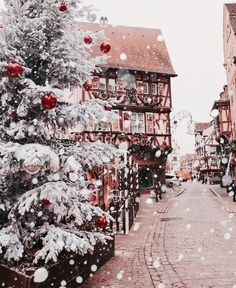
x=67 y=270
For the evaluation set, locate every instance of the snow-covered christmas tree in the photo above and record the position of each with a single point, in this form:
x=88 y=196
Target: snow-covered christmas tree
x=44 y=200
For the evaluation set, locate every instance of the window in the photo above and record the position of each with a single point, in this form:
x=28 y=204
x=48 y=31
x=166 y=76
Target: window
x=154 y=89
x=102 y=83
x=111 y=84
x=145 y=87
x=137 y=123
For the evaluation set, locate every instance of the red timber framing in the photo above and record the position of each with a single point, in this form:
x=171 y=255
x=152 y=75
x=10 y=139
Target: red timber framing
x=144 y=115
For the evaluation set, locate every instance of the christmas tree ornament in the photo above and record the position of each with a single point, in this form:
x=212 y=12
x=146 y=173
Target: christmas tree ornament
x=46 y=202
x=73 y=176
x=105 y=47
x=63 y=7
x=107 y=108
x=102 y=222
x=87 y=87
x=13 y=116
x=32 y=166
x=14 y=69
x=106 y=159
x=49 y=101
x=88 y=39
x=61 y=121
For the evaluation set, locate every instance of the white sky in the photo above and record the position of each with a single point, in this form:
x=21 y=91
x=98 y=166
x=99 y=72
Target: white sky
x=193 y=33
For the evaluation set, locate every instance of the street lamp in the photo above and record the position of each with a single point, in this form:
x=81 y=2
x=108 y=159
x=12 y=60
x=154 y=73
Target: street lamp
x=205 y=154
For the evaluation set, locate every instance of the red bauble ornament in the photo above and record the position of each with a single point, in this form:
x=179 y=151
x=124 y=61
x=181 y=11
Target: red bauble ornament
x=14 y=69
x=105 y=47
x=13 y=116
x=46 y=202
x=107 y=108
x=126 y=116
x=63 y=7
x=88 y=40
x=102 y=222
x=87 y=87
x=49 y=101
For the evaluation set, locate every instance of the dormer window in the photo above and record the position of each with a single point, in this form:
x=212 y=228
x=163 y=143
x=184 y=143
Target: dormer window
x=102 y=83
x=145 y=88
x=111 y=84
x=154 y=89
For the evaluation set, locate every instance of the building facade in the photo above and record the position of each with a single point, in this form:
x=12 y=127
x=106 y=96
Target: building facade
x=138 y=76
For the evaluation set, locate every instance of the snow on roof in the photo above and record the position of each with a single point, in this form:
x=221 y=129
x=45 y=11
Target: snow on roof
x=134 y=48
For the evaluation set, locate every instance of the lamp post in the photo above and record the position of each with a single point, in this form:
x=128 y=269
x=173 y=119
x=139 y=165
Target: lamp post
x=205 y=155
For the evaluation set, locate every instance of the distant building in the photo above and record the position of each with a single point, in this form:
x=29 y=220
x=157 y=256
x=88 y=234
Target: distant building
x=229 y=37
x=207 y=149
x=173 y=161
x=222 y=122
x=188 y=163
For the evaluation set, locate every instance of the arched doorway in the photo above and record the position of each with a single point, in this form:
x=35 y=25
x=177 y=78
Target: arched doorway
x=145 y=178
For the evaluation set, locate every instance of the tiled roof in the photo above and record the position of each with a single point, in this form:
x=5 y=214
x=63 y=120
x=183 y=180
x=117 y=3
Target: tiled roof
x=200 y=126
x=231 y=7
x=140 y=46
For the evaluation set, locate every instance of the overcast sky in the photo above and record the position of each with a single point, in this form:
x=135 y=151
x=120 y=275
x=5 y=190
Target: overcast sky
x=193 y=33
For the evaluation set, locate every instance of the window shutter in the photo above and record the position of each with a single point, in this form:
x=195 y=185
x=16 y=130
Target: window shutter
x=139 y=85
x=95 y=82
x=116 y=123
x=126 y=122
x=119 y=85
x=149 y=123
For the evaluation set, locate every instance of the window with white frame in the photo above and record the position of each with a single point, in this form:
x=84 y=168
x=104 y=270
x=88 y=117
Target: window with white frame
x=137 y=123
x=145 y=87
x=111 y=84
x=154 y=89
x=102 y=83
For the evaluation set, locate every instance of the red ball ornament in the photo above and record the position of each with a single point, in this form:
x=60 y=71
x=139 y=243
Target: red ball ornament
x=49 y=101
x=63 y=7
x=14 y=69
x=87 y=87
x=102 y=222
x=105 y=47
x=46 y=202
x=13 y=116
x=88 y=40
x=107 y=108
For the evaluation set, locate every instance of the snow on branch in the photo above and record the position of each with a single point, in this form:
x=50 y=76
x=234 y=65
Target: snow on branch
x=11 y=243
x=58 y=240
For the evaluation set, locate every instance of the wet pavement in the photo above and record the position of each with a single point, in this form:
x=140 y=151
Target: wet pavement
x=183 y=241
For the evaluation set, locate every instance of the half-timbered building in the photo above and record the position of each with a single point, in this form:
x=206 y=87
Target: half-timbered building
x=138 y=75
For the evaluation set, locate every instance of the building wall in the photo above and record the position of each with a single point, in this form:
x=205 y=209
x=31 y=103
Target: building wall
x=229 y=38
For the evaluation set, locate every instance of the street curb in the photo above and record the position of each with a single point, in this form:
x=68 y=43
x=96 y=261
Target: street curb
x=181 y=192
x=215 y=193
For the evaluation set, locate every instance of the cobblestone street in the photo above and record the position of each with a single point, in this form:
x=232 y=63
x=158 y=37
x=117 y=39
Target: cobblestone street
x=186 y=240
